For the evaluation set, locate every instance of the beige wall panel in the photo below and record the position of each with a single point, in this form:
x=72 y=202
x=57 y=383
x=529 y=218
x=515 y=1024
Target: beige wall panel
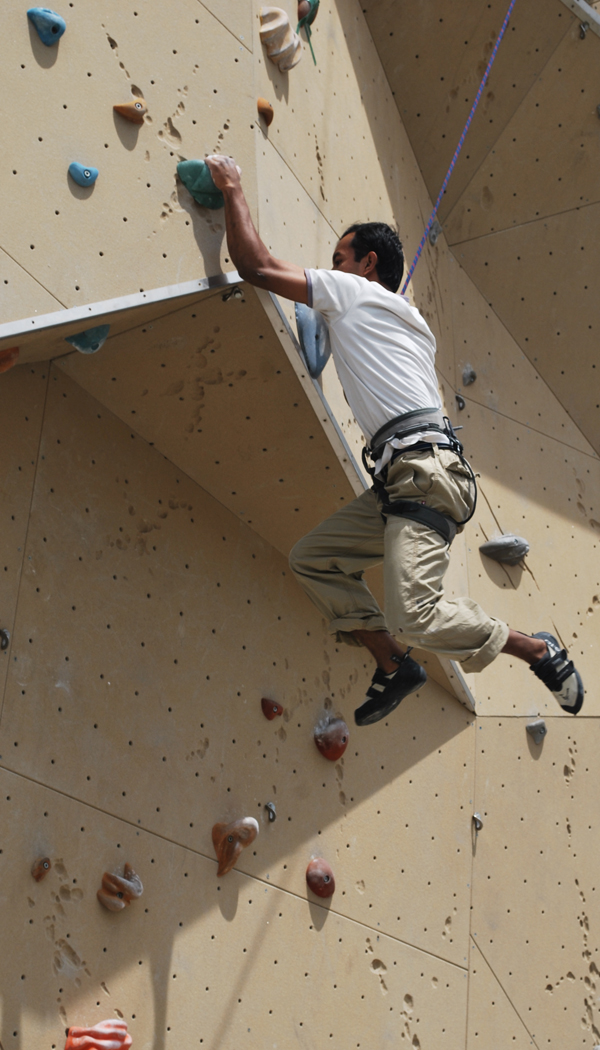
x=535 y=912
x=532 y=486
x=507 y=382
x=435 y=69
x=197 y=960
x=22 y=397
x=493 y=1021
x=549 y=308
x=151 y=622
x=212 y=389
x=134 y=229
x=22 y=296
x=546 y=159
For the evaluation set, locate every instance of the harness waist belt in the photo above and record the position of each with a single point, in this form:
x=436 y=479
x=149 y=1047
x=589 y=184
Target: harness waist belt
x=418 y=421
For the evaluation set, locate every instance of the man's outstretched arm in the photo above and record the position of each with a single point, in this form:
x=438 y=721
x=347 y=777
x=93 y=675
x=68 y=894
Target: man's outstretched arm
x=250 y=256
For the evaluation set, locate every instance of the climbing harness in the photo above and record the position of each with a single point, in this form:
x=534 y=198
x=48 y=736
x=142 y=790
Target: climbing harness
x=306 y=22
x=432 y=217
x=419 y=421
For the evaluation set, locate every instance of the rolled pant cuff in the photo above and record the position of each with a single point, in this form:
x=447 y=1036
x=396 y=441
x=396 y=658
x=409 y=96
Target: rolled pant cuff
x=341 y=628
x=489 y=650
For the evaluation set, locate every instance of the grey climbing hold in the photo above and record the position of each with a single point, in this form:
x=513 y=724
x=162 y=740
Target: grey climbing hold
x=460 y=402
x=197 y=178
x=469 y=375
x=83 y=175
x=90 y=341
x=270 y=808
x=508 y=548
x=537 y=730
x=583 y=28
x=434 y=231
x=477 y=821
x=313 y=334
x=50 y=26
x=4 y=639
x=235 y=293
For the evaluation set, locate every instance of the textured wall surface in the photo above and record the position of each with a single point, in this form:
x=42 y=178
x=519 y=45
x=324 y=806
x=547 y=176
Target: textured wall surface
x=149 y=496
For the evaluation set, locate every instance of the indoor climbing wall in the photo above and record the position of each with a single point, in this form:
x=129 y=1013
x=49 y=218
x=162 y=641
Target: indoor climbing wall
x=152 y=491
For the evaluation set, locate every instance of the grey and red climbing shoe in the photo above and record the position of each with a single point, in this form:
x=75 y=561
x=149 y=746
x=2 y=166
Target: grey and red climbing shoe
x=559 y=674
x=388 y=690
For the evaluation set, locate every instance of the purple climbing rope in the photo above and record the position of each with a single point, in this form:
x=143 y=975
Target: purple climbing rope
x=459 y=147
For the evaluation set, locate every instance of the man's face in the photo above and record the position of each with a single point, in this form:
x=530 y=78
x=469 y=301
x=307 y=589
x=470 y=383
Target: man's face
x=343 y=259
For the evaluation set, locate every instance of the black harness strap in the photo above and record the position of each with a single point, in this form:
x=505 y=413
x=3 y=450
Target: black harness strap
x=434 y=519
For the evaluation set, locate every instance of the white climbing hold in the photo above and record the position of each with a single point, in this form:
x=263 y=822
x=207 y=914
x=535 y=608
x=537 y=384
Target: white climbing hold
x=508 y=548
x=283 y=45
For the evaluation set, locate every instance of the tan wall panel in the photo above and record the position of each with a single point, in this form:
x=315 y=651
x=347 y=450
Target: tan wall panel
x=159 y=623
x=22 y=296
x=436 y=68
x=535 y=914
x=493 y=1020
x=549 y=308
x=200 y=99
x=212 y=389
x=532 y=486
x=222 y=962
x=22 y=397
x=545 y=161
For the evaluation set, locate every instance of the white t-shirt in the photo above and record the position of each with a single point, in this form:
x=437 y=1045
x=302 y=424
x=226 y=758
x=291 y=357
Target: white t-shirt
x=383 y=350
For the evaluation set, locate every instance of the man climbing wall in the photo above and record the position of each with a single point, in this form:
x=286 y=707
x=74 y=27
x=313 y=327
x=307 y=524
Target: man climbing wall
x=423 y=490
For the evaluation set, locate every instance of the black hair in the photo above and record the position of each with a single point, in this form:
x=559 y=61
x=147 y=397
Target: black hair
x=382 y=239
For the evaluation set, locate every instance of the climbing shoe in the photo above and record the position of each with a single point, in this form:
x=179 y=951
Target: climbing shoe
x=387 y=690
x=559 y=674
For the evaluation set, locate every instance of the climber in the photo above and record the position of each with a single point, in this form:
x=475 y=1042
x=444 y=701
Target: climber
x=424 y=489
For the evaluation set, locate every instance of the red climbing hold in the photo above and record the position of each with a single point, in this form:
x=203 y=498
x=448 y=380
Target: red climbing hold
x=8 y=358
x=270 y=708
x=116 y=891
x=112 y=1033
x=134 y=111
x=230 y=839
x=331 y=738
x=41 y=868
x=319 y=877
x=265 y=110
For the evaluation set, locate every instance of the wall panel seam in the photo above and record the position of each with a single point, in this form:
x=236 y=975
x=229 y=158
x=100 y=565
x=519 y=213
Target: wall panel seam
x=33 y=277
x=500 y=985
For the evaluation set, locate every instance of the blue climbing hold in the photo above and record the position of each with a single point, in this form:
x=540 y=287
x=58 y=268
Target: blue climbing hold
x=197 y=178
x=313 y=334
x=50 y=26
x=81 y=175
x=90 y=341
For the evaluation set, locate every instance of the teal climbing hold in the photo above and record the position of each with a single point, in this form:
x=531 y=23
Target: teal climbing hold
x=50 y=26
x=307 y=12
x=197 y=178
x=82 y=175
x=90 y=341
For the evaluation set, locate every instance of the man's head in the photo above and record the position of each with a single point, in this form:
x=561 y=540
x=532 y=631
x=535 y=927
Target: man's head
x=372 y=250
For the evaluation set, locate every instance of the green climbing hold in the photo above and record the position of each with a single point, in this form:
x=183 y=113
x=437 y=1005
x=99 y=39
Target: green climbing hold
x=197 y=178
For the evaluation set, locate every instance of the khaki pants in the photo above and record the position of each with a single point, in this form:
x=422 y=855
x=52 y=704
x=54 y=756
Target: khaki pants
x=330 y=561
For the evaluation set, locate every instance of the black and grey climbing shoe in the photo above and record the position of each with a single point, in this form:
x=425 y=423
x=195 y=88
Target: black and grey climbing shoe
x=388 y=690
x=559 y=674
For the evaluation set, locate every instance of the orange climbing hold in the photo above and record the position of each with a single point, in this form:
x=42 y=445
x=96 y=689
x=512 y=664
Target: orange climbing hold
x=319 y=877
x=265 y=110
x=135 y=111
x=41 y=868
x=270 y=708
x=107 y=1035
x=230 y=839
x=8 y=358
x=116 y=891
x=331 y=738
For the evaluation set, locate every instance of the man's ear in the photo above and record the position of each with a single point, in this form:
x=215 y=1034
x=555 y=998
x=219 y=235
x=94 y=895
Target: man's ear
x=371 y=264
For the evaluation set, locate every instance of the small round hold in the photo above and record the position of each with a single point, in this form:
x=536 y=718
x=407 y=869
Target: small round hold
x=230 y=839
x=41 y=868
x=8 y=358
x=4 y=639
x=331 y=738
x=265 y=110
x=134 y=111
x=319 y=878
x=81 y=175
x=270 y=708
